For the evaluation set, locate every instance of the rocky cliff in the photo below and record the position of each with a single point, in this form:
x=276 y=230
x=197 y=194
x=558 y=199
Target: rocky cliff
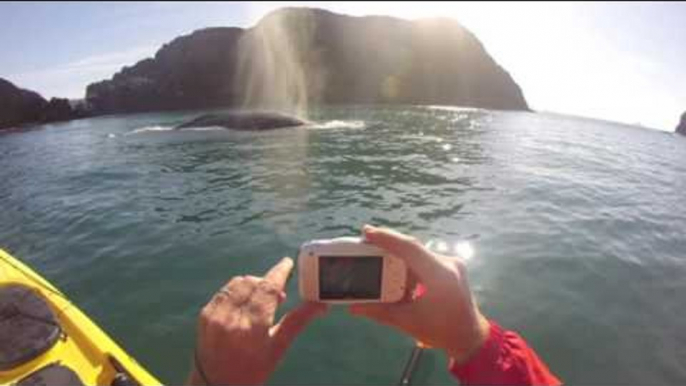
x=21 y=107
x=681 y=128
x=192 y=71
x=306 y=56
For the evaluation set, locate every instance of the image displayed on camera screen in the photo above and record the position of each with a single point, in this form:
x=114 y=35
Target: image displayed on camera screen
x=343 y=277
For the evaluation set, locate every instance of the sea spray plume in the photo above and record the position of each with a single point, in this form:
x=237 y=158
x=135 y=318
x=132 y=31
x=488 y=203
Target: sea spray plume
x=278 y=67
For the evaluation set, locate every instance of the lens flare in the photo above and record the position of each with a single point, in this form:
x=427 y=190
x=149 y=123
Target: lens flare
x=464 y=249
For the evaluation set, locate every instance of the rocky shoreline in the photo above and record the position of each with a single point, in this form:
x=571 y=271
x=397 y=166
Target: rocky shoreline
x=340 y=60
x=21 y=107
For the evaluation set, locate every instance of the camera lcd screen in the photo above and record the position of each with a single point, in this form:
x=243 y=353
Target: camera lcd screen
x=344 y=277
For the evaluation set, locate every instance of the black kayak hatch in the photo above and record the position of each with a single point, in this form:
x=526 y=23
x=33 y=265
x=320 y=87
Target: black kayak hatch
x=28 y=327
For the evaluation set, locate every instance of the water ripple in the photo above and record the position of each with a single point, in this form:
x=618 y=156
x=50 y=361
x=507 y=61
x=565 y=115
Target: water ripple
x=574 y=224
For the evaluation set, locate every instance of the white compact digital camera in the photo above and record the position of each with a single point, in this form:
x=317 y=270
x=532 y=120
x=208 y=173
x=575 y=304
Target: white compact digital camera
x=349 y=270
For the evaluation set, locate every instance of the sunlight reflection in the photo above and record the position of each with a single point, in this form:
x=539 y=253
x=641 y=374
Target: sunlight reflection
x=462 y=248
x=465 y=250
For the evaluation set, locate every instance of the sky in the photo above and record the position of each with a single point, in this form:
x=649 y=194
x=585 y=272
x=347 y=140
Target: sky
x=623 y=62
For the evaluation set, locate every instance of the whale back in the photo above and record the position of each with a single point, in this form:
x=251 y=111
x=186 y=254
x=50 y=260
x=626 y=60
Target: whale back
x=252 y=121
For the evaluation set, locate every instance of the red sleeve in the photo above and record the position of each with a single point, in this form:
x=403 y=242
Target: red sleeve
x=504 y=359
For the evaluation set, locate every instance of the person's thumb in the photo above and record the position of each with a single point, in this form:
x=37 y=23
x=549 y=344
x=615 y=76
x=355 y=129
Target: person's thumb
x=292 y=323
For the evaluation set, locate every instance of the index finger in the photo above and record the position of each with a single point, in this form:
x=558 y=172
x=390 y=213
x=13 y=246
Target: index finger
x=407 y=248
x=278 y=274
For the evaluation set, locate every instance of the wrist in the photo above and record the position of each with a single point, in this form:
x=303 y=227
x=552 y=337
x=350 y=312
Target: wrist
x=195 y=379
x=198 y=375
x=467 y=347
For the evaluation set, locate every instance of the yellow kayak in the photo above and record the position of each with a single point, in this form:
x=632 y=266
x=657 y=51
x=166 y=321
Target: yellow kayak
x=45 y=339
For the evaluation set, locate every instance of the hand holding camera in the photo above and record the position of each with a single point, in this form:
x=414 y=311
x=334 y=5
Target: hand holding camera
x=445 y=316
x=374 y=275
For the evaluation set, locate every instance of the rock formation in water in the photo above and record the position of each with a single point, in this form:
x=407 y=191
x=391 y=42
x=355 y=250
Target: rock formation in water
x=681 y=128
x=241 y=120
x=343 y=60
x=21 y=107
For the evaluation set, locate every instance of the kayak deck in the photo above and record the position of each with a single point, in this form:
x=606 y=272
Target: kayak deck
x=82 y=347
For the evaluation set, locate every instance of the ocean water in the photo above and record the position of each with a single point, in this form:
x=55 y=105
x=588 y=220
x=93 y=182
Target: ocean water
x=577 y=228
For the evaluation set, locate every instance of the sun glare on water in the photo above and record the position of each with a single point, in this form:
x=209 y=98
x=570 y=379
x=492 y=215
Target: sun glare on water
x=462 y=249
